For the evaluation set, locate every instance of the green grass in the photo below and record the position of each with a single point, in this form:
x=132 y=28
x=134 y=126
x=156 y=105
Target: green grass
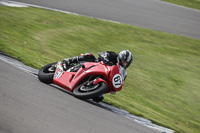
x=162 y=83
x=188 y=3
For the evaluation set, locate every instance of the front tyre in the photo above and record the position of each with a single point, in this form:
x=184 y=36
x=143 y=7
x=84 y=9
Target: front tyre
x=84 y=91
x=46 y=74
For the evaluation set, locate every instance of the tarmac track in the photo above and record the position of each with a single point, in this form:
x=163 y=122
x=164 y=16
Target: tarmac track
x=152 y=14
x=29 y=106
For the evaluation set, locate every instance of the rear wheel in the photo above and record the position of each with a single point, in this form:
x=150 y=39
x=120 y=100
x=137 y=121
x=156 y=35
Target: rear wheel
x=46 y=74
x=88 y=90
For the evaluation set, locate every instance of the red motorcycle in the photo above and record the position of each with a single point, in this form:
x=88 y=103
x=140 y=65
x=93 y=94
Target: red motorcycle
x=86 y=80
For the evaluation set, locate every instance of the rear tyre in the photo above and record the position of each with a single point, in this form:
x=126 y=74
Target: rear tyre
x=90 y=91
x=45 y=75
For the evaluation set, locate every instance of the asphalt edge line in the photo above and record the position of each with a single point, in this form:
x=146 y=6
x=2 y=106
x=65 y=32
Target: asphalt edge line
x=177 y=5
x=67 y=12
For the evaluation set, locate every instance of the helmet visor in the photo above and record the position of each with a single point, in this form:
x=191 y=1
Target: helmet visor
x=124 y=63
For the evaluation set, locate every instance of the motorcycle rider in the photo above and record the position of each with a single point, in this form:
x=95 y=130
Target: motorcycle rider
x=124 y=58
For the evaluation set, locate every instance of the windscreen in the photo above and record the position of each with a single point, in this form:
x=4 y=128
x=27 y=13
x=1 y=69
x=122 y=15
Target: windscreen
x=123 y=72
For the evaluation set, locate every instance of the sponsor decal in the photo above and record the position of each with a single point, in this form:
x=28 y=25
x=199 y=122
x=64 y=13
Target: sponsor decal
x=58 y=74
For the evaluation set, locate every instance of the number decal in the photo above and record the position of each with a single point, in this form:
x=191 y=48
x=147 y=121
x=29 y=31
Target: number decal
x=117 y=80
x=58 y=74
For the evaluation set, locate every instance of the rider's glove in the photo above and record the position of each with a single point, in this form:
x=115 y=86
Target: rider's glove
x=86 y=54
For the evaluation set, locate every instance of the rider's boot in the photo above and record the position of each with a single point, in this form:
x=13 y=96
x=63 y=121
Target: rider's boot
x=66 y=62
x=99 y=98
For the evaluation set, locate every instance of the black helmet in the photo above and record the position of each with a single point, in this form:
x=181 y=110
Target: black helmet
x=125 y=58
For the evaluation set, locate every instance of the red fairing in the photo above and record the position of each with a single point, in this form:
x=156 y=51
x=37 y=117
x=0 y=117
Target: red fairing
x=115 y=79
x=64 y=80
x=108 y=74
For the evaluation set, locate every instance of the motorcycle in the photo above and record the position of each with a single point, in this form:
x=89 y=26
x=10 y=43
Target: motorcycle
x=86 y=80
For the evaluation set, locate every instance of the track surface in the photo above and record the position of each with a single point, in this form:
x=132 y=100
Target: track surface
x=153 y=14
x=29 y=106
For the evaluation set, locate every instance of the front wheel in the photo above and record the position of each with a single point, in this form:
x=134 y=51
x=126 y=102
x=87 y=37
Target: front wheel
x=84 y=91
x=46 y=74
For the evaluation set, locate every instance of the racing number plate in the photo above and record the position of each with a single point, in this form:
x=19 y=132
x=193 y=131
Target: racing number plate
x=117 y=81
x=58 y=74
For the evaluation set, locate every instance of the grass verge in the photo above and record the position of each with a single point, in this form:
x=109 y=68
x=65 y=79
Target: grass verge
x=162 y=83
x=188 y=3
